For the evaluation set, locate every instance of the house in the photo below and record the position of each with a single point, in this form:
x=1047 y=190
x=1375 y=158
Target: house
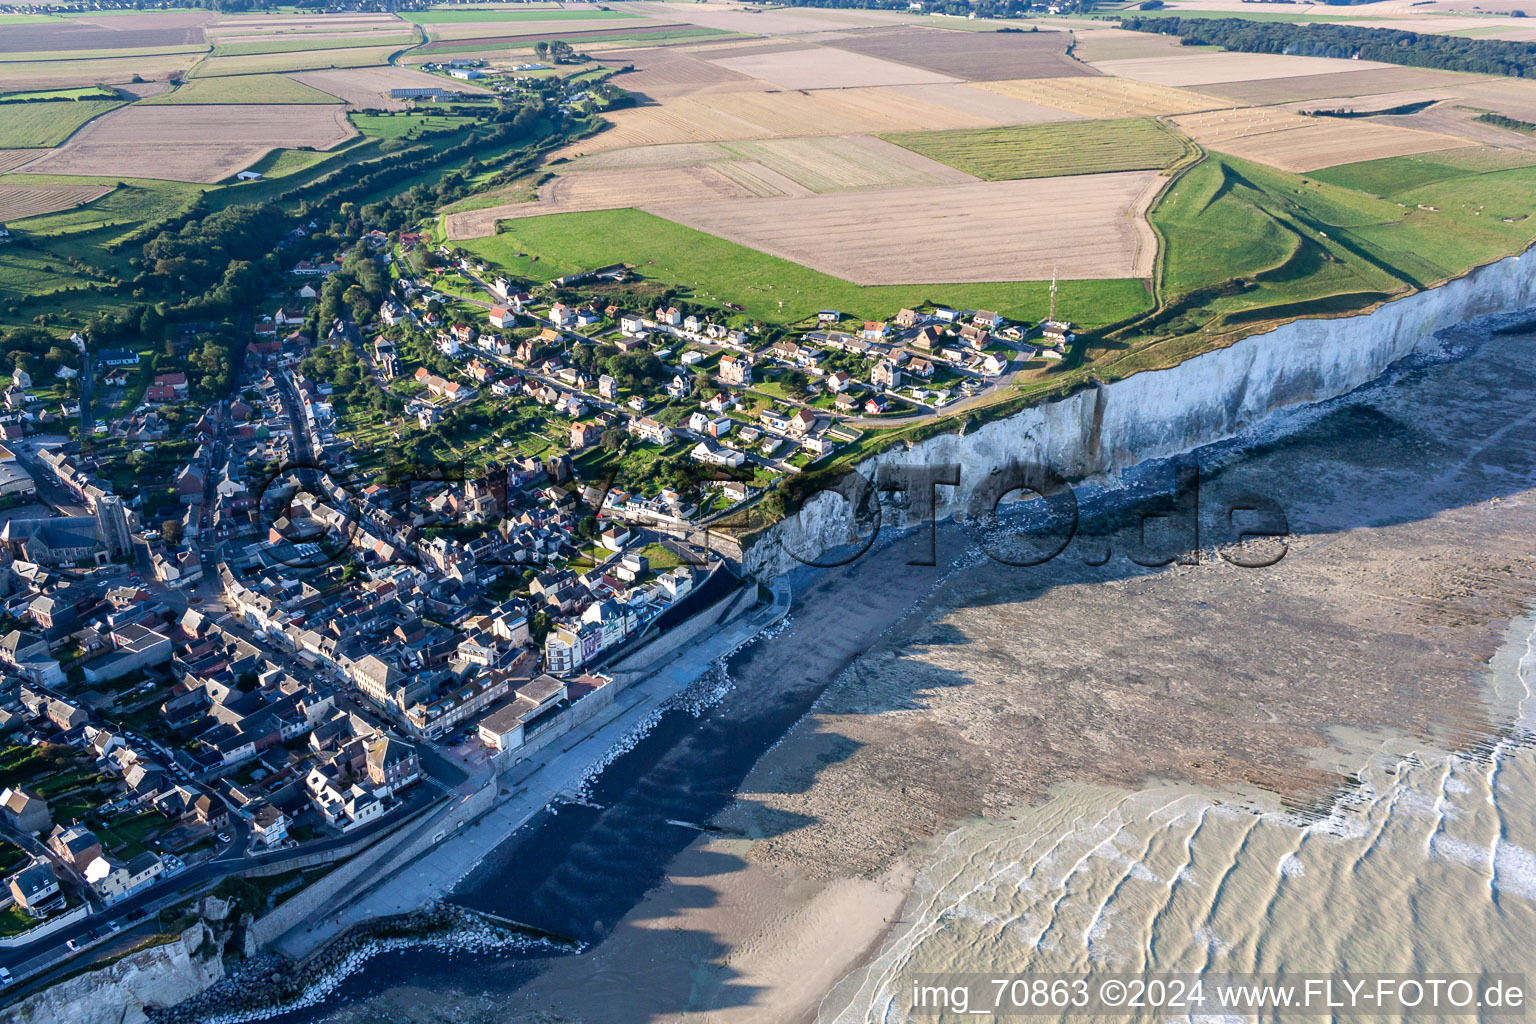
x=35 y=888
x=1057 y=332
x=692 y=324
x=25 y=812
x=907 y=318
x=269 y=826
x=927 y=338
x=920 y=368
x=949 y=316
x=74 y=844
x=839 y=382
x=501 y=317
x=974 y=336
x=118 y=357
x=994 y=365
x=393 y=764
x=886 y=374
x=670 y=316
x=559 y=314
x=615 y=537
x=988 y=319
x=875 y=405
x=828 y=316
x=21 y=378
x=802 y=422
x=874 y=330
x=629 y=323
x=607 y=387
x=735 y=370
x=584 y=435
x=649 y=430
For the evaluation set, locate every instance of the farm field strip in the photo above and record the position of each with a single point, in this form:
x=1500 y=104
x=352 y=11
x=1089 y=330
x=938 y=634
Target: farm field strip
x=259 y=63
x=193 y=143
x=332 y=42
x=1344 y=83
x=19 y=201
x=70 y=35
x=1104 y=96
x=1049 y=150
x=1091 y=226
x=660 y=71
x=971 y=56
x=1203 y=69
x=1512 y=97
x=241 y=89
x=828 y=69
x=41 y=125
x=25 y=75
x=369 y=88
x=1291 y=142
x=13 y=158
x=453 y=31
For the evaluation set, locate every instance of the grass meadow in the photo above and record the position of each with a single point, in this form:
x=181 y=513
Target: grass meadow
x=1049 y=149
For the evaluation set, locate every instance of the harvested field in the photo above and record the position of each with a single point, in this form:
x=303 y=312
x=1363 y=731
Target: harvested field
x=976 y=100
x=144 y=90
x=1096 y=44
x=242 y=89
x=10 y=159
x=975 y=56
x=1295 y=143
x=193 y=143
x=262 y=63
x=18 y=201
x=1461 y=123
x=628 y=188
x=1103 y=96
x=847 y=163
x=746 y=48
x=665 y=71
x=828 y=69
x=1050 y=150
x=820 y=164
x=513 y=29
x=1195 y=69
x=107 y=32
x=1348 y=83
x=368 y=88
x=20 y=76
x=744 y=114
x=40 y=125
x=767 y=23
x=244 y=25
x=1085 y=227
x=1512 y=97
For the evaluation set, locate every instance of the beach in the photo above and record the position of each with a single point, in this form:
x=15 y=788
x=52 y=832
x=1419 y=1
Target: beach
x=978 y=766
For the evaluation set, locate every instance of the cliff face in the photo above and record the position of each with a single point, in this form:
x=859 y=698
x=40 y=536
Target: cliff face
x=119 y=994
x=1096 y=433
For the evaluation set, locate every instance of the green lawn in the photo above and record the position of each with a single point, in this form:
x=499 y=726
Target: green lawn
x=85 y=92
x=1302 y=245
x=1045 y=150
x=40 y=125
x=288 y=44
x=243 y=89
x=282 y=162
x=765 y=287
x=400 y=126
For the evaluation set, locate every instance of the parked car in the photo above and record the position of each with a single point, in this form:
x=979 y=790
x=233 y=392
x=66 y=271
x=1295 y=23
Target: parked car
x=223 y=837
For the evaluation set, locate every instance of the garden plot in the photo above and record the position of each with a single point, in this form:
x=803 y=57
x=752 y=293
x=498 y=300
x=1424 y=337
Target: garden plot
x=193 y=143
x=1086 y=227
x=1295 y=143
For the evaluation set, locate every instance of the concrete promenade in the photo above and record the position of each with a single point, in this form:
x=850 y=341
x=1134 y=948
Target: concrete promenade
x=560 y=769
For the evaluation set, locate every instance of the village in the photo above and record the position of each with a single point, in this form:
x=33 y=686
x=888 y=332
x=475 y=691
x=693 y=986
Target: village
x=300 y=586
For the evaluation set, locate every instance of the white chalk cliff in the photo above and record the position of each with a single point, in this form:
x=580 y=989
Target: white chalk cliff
x=1098 y=432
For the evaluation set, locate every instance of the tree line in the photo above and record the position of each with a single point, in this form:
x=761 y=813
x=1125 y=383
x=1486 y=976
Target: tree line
x=1390 y=46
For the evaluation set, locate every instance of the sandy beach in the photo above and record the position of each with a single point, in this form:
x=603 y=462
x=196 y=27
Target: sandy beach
x=990 y=686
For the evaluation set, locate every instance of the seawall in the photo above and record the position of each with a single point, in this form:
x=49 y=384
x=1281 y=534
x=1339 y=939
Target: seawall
x=1098 y=432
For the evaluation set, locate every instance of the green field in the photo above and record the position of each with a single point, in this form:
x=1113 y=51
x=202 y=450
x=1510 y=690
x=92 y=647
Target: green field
x=765 y=287
x=136 y=200
x=440 y=17
x=243 y=89
x=40 y=125
x=1245 y=242
x=528 y=42
x=288 y=44
x=87 y=92
x=1046 y=150
x=403 y=126
x=1392 y=175
x=282 y=162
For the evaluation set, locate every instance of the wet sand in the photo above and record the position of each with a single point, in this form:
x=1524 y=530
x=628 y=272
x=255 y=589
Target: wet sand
x=1412 y=509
